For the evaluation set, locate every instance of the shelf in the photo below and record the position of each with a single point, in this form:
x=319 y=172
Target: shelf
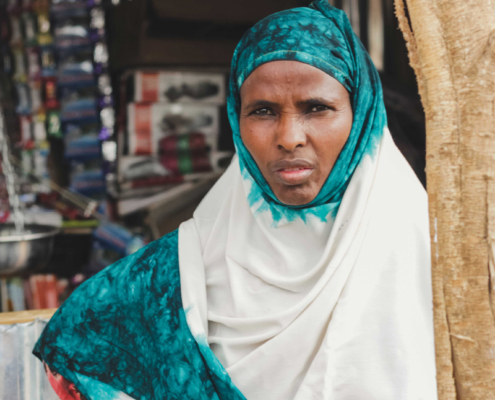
x=19 y=317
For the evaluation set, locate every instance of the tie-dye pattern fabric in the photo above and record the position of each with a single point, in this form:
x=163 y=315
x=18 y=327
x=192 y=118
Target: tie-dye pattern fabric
x=321 y=36
x=126 y=328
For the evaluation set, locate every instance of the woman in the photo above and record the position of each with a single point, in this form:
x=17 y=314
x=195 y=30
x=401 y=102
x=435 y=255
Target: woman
x=304 y=273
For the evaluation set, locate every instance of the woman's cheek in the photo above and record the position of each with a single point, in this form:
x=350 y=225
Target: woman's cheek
x=257 y=135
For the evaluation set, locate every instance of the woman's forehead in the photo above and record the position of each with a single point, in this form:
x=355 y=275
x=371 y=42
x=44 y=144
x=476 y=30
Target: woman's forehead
x=290 y=77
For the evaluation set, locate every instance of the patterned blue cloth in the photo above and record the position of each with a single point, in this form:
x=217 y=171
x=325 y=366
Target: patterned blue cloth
x=321 y=36
x=126 y=326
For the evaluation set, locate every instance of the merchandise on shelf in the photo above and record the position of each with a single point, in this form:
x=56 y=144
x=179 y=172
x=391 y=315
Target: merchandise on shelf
x=37 y=292
x=172 y=128
x=148 y=124
x=54 y=73
x=78 y=106
x=88 y=180
x=179 y=87
x=82 y=142
x=117 y=239
x=83 y=92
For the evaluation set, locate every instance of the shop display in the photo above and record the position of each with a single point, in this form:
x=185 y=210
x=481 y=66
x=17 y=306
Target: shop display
x=182 y=87
x=118 y=239
x=56 y=55
x=192 y=142
x=39 y=291
x=149 y=123
x=74 y=92
x=56 y=83
x=167 y=141
x=186 y=163
x=54 y=60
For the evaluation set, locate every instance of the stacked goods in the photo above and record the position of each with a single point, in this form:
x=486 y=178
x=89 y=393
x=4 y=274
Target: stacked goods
x=184 y=154
x=55 y=56
x=37 y=292
x=55 y=85
x=148 y=124
x=173 y=125
x=116 y=240
x=27 y=66
x=85 y=116
x=182 y=87
x=111 y=242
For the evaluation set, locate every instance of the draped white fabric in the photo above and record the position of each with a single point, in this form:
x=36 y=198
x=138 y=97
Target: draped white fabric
x=22 y=376
x=315 y=310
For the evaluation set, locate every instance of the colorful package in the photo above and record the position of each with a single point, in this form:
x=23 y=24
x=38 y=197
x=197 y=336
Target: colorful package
x=118 y=239
x=191 y=142
x=82 y=147
x=76 y=73
x=79 y=106
x=186 y=163
x=88 y=183
x=179 y=87
x=141 y=167
x=147 y=124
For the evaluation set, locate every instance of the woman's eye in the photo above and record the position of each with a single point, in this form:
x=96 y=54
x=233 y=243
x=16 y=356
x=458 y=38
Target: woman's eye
x=263 y=111
x=319 y=108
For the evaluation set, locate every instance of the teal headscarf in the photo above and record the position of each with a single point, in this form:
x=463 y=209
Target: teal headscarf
x=321 y=36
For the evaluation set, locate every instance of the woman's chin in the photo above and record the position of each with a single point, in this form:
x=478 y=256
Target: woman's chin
x=295 y=195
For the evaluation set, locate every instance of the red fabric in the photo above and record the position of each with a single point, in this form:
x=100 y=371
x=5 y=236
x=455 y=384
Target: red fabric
x=64 y=389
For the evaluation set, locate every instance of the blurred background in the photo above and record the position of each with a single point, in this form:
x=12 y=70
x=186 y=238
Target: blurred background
x=115 y=124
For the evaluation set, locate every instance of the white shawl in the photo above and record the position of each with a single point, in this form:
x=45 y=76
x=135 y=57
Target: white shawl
x=317 y=310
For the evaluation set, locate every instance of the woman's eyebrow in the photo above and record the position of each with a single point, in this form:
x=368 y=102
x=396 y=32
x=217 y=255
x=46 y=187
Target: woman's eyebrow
x=260 y=104
x=317 y=100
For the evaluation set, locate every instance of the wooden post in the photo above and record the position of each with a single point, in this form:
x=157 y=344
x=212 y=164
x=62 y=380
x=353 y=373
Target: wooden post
x=451 y=46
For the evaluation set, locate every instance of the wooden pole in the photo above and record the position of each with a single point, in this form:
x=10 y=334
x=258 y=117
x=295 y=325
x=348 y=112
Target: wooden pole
x=452 y=50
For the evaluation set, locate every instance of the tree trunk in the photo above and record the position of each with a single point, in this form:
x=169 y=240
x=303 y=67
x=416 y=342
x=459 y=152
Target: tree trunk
x=452 y=50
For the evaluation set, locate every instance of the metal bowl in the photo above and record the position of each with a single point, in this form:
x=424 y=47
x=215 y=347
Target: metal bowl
x=26 y=251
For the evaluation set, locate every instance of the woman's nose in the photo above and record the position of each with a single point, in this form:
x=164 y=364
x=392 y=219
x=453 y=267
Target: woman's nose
x=290 y=134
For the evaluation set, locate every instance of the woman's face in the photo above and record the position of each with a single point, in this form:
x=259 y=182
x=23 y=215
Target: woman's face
x=295 y=120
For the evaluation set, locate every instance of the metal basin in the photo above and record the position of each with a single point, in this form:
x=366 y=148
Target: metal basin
x=27 y=251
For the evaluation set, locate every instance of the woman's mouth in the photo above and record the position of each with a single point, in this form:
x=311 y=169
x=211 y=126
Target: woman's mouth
x=292 y=172
x=293 y=176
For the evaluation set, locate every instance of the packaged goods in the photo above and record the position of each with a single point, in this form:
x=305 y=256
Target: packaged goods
x=34 y=64
x=76 y=71
x=82 y=147
x=89 y=183
x=192 y=142
x=186 y=163
x=179 y=87
x=118 y=239
x=148 y=124
x=81 y=109
x=87 y=177
x=141 y=167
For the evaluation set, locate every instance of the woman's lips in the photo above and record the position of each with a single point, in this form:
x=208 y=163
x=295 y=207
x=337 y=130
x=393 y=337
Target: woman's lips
x=294 y=176
x=292 y=172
